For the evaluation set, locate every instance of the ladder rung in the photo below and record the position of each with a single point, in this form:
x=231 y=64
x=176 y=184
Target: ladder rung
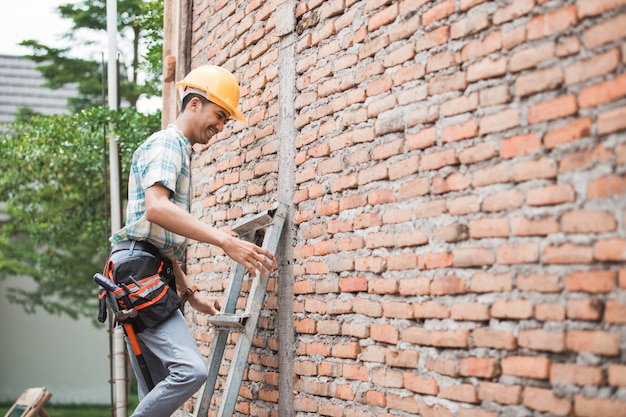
x=230 y=321
x=255 y=222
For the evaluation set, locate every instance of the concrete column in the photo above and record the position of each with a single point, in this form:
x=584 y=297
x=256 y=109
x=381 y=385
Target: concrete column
x=286 y=131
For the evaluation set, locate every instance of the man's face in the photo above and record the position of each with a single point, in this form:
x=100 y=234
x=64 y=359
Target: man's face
x=209 y=121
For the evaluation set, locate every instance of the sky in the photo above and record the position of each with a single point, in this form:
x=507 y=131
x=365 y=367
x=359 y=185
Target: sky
x=31 y=19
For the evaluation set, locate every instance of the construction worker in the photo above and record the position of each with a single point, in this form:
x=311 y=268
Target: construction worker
x=158 y=224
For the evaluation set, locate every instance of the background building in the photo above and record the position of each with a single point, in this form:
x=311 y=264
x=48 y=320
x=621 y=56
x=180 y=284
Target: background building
x=21 y=86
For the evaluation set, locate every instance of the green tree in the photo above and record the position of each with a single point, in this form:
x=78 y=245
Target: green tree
x=54 y=184
x=137 y=20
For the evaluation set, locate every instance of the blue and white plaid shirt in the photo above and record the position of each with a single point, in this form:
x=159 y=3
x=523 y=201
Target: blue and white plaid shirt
x=165 y=158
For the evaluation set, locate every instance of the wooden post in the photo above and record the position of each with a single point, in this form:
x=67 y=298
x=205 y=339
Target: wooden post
x=170 y=52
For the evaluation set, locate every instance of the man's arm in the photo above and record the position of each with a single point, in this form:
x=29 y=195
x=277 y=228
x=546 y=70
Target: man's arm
x=203 y=304
x=163 y=212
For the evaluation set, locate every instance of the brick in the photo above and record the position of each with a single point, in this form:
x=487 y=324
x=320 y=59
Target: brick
x=470 y=311
x=494 y=339
x=539 y=339
x=402 y=358
x=617 y=375
x=402 y=403
x=463 y=205
x=581 y=375
x=437 y=338
x=522 y=226
x=570 y=132
x=437 y=12
x=479 y=153
x=466 y=130
x=448 y=285
x=544 y=400
x=534 y=169
x=487 y=68
x=587 y=309
x=593 y=407
x=482 y=46
x=551 y=195
x=483 y=282
x=606 y=187
x=615 y=312
x=549 y=312
x=479 y=367
x=606 y=31
x=516 y=9
x=552 y=23
x=586 y=221
x=585 y=158
x=489 y=228
x=348 y=350
x=512 y=309
x=432 y=39
x=597 y=66
x=420 y=384
x=568 y=253
x=594 y=282
x=455 y=232
x=538 y=81
x=500 y=393
x=519 y=145
x=612 y=121
x=509 y=199
x=520 y=254
x=438 y=160
x=494 y=95
x=442 y=366
x=472 y=257
x=430 y=310
x=496 y=174
x=557 y=108
x=469 y=25
x=603 y=92
x=498 y=122
x=375 y=398
x=447 y=83
x=593 y=8
x=531 y=57
x=434 y=260
x=382 y=18
x=535 y=367
x=597 y=342
x=465 y=393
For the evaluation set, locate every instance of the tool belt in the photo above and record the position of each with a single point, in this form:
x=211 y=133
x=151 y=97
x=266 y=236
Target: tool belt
x=147 y=293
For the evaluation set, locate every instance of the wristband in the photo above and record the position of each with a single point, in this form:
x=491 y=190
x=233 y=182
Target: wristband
x=188 y=293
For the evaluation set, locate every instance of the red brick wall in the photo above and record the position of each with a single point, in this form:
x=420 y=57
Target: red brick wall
x=458 y=203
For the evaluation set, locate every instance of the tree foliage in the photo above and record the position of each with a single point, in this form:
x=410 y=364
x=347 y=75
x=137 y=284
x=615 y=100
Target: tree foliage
x=54 y=183
x=137 y=23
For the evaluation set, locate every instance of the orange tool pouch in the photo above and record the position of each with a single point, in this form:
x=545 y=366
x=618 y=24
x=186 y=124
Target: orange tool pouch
x=147 y=284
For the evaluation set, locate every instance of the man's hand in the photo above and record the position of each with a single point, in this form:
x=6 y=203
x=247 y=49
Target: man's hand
x=252 y=257
x=204 y=304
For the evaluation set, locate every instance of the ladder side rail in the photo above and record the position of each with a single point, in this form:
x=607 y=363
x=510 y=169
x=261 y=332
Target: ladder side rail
x=216 y=353
x=218 y=344
x=255 y=304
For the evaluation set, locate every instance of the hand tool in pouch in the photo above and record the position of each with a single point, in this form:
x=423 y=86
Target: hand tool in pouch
x=124 y=314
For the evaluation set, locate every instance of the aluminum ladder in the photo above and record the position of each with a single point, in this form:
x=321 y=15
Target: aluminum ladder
x=269 y=224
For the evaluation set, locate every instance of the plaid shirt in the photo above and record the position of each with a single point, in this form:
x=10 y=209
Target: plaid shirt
x=165 y=157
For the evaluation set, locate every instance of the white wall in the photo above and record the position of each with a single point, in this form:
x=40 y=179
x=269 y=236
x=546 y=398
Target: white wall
x=69 y=357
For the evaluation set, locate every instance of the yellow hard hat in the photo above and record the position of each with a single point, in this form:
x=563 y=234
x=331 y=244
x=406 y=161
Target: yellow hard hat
x=217 y=84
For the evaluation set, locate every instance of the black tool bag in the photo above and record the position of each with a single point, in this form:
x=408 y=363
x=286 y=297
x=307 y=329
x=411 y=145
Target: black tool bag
x=148 y=284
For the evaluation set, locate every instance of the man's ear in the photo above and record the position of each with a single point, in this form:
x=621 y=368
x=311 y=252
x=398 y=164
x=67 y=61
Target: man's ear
x=195 y=103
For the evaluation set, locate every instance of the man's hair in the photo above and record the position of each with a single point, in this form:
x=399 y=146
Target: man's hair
x=188 y=98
